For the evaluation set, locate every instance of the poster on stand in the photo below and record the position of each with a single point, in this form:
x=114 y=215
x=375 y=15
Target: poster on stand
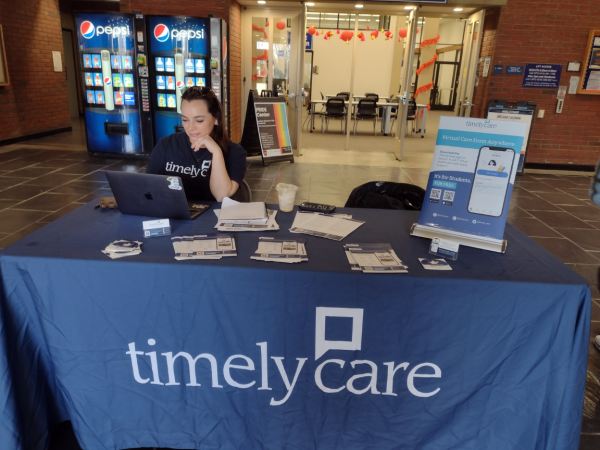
x=471 y=180
x=273 y=130
x=515 y=115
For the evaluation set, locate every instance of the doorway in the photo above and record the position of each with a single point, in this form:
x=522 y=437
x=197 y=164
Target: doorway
x=272 y=60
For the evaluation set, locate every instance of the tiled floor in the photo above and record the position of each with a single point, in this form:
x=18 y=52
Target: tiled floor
x=38 y=186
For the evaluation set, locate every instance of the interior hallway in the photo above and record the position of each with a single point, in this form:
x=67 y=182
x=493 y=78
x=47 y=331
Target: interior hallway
x=43 y=179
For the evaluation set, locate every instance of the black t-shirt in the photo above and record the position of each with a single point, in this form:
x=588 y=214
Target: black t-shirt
x=173 y=155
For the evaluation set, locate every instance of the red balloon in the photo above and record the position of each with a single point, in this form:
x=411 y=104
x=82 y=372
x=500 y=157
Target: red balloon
x=311 y=31
x=374 y=34
x=403 y=32
x=280 y=25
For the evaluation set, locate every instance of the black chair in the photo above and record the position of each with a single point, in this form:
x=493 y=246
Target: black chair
x=387 y=195
x=366 y=109
x=335 y=108
x=370 y=95
x=345 y=95
x=266 y=93
x=243 y=194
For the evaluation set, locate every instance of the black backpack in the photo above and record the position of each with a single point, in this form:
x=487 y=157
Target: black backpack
x=387 y=195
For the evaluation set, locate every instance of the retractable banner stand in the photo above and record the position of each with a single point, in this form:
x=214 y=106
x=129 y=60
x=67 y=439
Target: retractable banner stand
x=471 y=181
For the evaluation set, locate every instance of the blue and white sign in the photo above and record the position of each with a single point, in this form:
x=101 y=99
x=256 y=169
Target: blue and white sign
x=498 y=69
x=514 y=70
x=542 y=76
x=309 y=42
x=472 y=176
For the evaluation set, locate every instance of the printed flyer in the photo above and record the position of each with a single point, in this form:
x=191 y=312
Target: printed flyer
x=472 y=177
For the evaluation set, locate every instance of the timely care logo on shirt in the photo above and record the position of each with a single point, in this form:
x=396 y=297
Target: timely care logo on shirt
x=148 y=367
x=192 y=170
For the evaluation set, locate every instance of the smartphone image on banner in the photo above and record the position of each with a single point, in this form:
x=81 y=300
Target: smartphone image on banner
x=490 y=183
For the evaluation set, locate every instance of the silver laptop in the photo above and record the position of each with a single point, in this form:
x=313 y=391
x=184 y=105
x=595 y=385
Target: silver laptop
x=161 y=196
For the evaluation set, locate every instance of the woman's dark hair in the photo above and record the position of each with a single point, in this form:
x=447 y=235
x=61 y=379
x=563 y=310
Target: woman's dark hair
x=218 y=134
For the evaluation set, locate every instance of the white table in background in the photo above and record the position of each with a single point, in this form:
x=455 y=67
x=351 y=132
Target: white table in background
x=385 y=120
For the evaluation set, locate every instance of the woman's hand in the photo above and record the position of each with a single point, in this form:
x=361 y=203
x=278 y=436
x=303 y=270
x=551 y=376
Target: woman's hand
x=208 y=143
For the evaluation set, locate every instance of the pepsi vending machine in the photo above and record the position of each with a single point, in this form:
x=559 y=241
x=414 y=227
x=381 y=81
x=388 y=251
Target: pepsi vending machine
x=184 y=52
x=114 y=73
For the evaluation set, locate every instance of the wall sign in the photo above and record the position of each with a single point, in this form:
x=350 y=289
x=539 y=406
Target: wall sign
x=542 y=76
x=514 y=70
x=589 y=79
x=309 y=42
x=498 y=69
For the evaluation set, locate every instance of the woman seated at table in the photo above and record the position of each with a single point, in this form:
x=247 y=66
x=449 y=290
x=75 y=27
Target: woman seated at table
x=210 y=166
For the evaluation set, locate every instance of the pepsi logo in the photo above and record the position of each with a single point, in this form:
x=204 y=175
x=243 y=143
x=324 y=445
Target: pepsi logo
x=87 y=29
x=161 y=32
x=107 y=81
x=180 y=84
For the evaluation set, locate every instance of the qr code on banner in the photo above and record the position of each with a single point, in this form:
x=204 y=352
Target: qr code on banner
x=436 y=194
x=449 y=196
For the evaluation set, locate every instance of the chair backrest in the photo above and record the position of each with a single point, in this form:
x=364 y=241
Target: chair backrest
x=335 y=105
x=412 y=107
x=367 y=106
x=266 y=93
x=370 y=95
x=322 y=96
x=243 y=194
x=346 y=95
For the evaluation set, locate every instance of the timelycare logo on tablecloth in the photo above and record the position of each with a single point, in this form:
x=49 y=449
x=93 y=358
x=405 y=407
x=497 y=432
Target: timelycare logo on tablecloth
x=322 y=346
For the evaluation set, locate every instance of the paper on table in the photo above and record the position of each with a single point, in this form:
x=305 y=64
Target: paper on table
x=235 y=212
x=287 y=250
x=271 y=224
x=322 y=225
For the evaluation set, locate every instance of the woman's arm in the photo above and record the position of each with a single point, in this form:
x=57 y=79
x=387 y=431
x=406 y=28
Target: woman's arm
x=221 y=185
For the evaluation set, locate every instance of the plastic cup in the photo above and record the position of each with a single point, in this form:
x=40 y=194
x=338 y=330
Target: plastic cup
x=287 y=196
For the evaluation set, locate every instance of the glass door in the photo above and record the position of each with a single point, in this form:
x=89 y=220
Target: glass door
x=471 y=46
x=406 y=76
x=272 y=60
x=445 y=81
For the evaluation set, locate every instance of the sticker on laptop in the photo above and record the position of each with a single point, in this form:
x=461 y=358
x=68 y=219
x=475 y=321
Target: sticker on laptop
x=174 y=183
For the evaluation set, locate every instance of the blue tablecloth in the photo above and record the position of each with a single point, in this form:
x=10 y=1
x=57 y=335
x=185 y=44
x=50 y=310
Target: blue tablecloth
x=147 y=351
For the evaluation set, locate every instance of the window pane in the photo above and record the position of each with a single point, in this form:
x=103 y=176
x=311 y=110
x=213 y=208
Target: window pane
x=281 y=55
x=260 y=55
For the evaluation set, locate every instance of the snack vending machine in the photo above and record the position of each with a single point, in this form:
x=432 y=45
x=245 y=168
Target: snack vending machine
x=114 y=73
x=184 y=52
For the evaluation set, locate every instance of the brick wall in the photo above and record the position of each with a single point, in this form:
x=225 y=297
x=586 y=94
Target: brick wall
x=36 y=100
x=230 y=10
x=545 y=31
x=235 y=71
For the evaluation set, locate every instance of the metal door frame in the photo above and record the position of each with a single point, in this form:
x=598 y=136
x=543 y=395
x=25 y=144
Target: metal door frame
x=469 y=72
x=406 y=79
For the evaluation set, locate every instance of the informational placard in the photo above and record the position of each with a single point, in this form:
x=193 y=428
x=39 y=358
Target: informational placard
x=514 y=70
x=309 y=42
x=471 y=180
x=545 y=76
x=498 y=69
x=516 y=116
x=273 y=129
x=589 y=80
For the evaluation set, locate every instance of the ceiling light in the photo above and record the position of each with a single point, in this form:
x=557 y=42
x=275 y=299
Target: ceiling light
x=358 y=6
x=458 y=9
x=408 y=7
x=310 y=4
x=261 y=2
